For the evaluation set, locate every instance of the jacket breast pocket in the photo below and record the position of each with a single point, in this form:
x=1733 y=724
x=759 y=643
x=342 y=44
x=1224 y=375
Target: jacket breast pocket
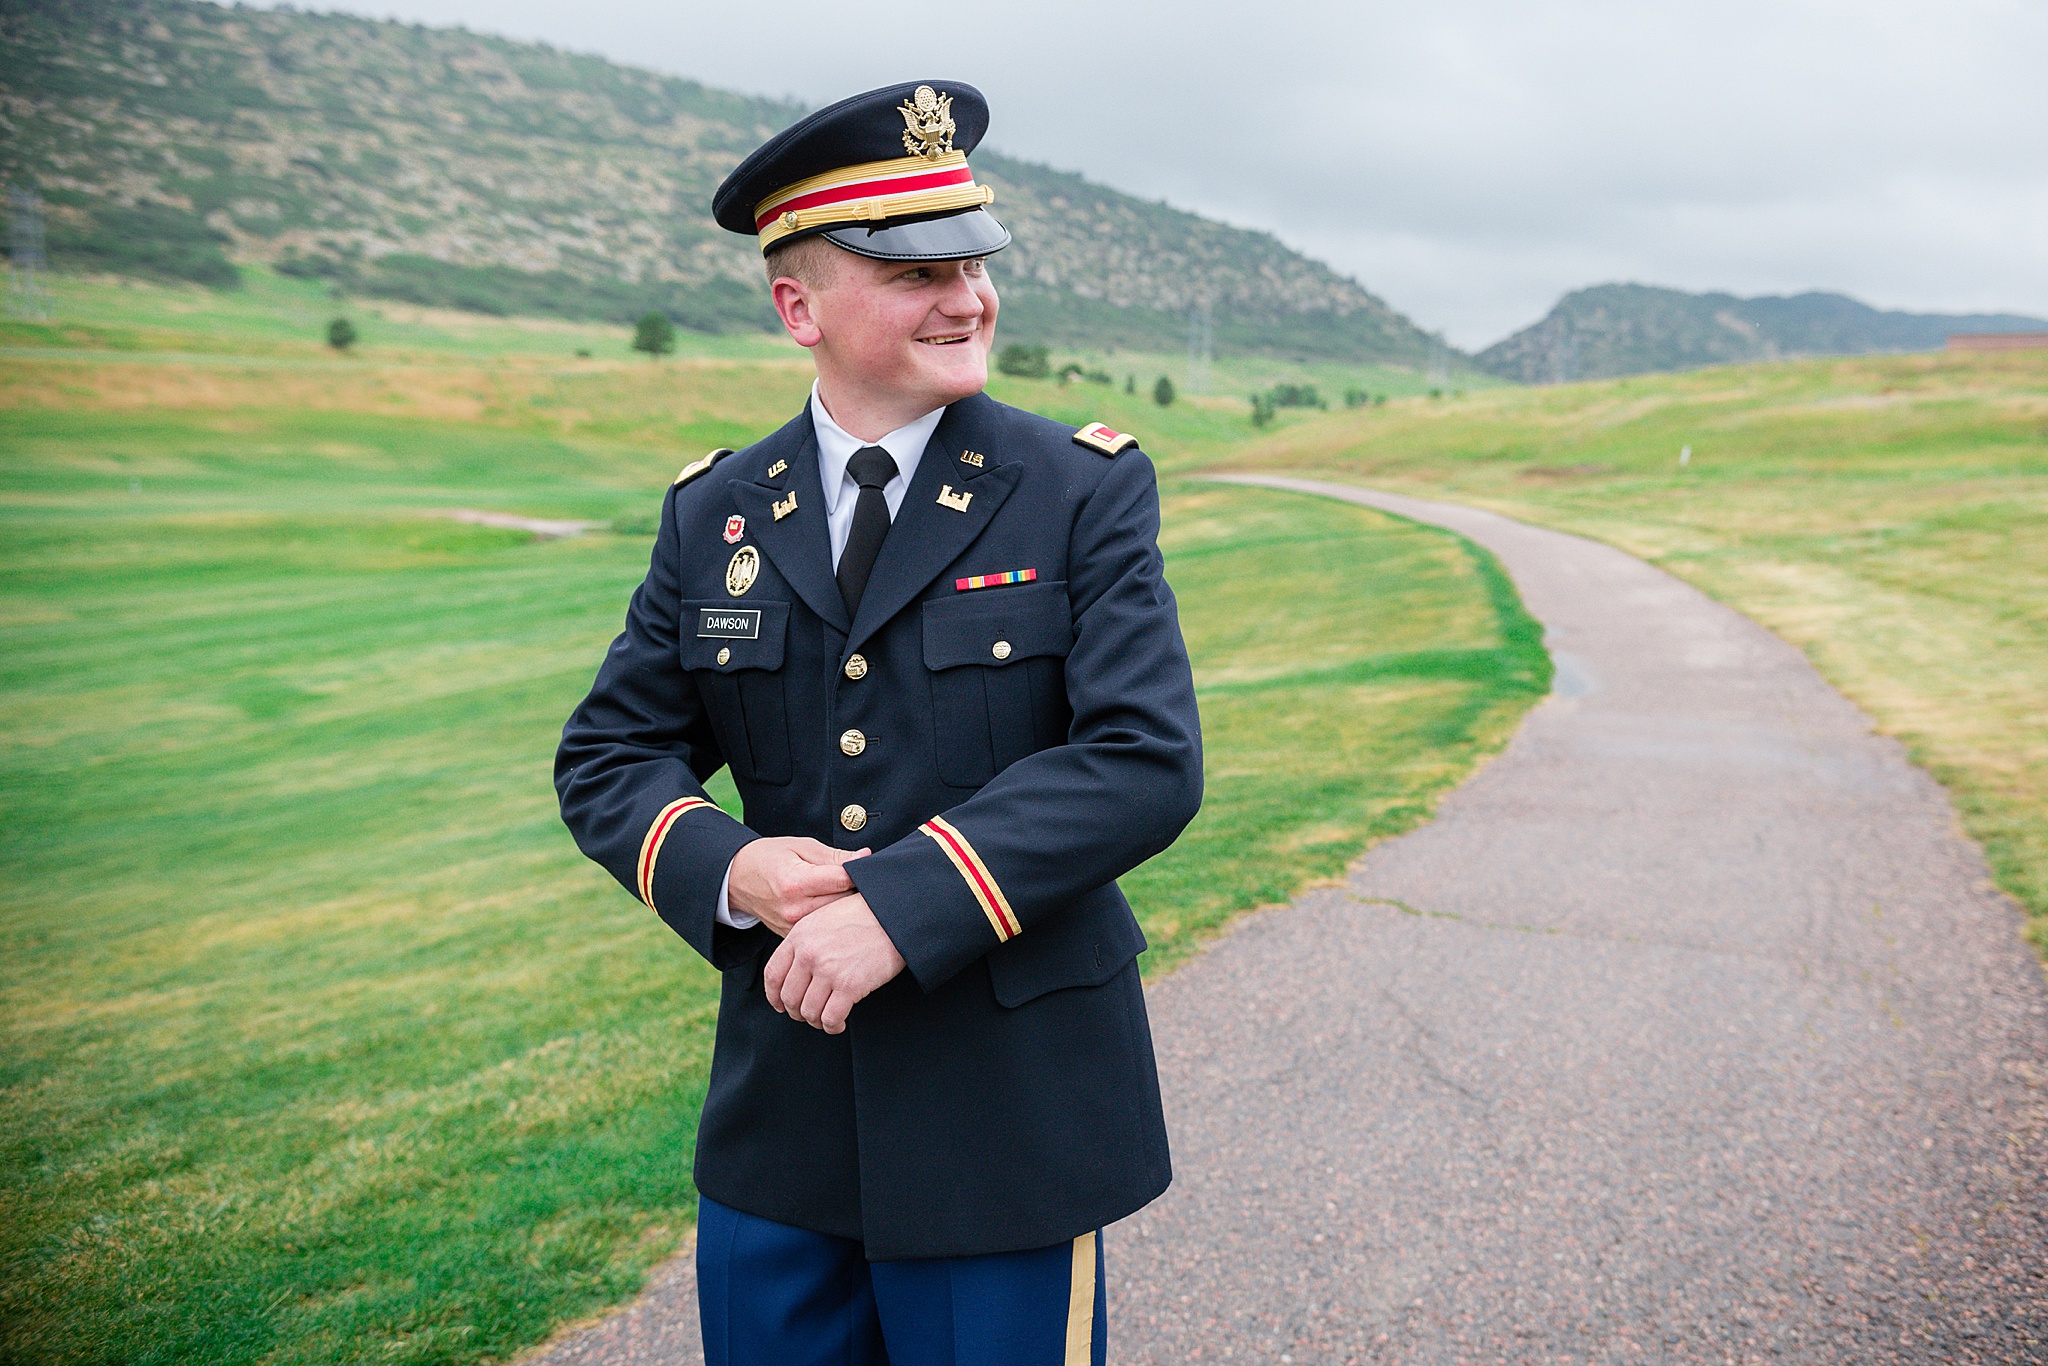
x=734 y=652
x=997 y=658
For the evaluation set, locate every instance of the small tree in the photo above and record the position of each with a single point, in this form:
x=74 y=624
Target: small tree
x=1024 y=362
x=341 y=334
x=1130 y=384
x=1262 y=410
x=1162 y=392
x=654 y=334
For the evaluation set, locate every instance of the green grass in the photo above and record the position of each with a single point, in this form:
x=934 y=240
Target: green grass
x=321 y=1041
x=1887 y=514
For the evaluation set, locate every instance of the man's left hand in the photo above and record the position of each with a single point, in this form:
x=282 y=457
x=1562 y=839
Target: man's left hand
x=833 y=958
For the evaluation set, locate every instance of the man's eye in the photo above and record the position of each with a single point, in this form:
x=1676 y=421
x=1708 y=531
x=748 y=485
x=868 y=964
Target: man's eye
x=921 y=273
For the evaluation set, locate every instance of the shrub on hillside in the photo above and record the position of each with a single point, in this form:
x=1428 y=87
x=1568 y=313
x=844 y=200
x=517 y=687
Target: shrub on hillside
x=1295 y=396
x=341 y=334
x=654 y=334
x=1162 y=392
x=1024 y=362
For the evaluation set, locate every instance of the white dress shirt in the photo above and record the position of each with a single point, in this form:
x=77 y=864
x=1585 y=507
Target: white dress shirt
x=836 y=447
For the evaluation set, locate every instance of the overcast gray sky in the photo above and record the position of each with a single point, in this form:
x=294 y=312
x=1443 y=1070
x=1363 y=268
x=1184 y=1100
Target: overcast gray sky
x=1469 y=162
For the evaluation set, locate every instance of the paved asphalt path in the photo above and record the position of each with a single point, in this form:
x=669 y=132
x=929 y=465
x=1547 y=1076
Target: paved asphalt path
x=1691 y=1030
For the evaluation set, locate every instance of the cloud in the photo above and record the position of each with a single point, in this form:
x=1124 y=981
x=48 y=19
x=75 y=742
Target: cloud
x=1470 y=162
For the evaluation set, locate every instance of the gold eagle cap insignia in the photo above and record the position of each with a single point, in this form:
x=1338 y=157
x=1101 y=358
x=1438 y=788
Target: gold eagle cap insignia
x=928 y=117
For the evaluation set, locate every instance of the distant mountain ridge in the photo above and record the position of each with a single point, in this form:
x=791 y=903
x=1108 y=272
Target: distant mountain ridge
x=174 y=138
x=1620 y=329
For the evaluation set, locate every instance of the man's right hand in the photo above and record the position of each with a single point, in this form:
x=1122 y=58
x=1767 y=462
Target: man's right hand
x=785 y=878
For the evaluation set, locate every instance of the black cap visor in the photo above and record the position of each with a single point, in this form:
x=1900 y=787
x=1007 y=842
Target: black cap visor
x=950 y=237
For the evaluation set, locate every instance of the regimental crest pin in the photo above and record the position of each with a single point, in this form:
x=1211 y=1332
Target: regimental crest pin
x=928 y=117
x=782 y=507
x=956 y=501
x=744 y=569
x=735 y=527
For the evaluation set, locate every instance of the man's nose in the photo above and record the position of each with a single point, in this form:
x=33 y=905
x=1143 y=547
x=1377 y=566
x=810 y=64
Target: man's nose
x=960 y=299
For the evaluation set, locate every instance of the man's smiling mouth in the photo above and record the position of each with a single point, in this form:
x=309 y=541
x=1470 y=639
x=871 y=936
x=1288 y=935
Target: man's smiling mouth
x=950 y=339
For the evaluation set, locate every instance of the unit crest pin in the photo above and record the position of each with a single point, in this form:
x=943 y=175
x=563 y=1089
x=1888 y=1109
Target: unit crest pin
x=735 y=527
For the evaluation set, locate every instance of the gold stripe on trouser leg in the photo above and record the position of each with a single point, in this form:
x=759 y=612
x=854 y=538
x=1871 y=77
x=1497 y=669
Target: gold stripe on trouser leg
x=1081 y=1303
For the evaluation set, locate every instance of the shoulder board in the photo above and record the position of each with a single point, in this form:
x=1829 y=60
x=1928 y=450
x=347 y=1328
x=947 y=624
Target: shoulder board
x=1097 y=437
x=697 y=467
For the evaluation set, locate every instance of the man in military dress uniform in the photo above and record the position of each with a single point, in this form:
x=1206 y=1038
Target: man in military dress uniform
x=930 y=636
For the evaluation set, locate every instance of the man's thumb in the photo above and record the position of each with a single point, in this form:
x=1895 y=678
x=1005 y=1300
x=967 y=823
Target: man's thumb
x=825 y=854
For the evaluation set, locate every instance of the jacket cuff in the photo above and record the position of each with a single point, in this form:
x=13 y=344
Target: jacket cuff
x=683 y=862
x=937 y=901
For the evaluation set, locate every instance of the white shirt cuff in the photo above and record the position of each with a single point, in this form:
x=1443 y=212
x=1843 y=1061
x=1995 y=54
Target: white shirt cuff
x=738 y=920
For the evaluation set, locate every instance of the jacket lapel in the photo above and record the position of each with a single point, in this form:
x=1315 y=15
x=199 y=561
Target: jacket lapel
x=799 y=542
x=928 y=535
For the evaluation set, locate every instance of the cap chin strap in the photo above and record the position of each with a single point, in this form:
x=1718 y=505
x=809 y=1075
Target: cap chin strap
x=870 y=193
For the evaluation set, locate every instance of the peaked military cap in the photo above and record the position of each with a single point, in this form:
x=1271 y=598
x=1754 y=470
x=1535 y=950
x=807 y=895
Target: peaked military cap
x=882 y=174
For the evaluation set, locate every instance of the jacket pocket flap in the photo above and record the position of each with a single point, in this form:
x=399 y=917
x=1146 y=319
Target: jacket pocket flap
x=1091 y=942
x=997 y=626
x=750 y=634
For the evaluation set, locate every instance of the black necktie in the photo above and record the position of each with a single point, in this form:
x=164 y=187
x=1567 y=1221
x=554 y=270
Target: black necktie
x=871 y=468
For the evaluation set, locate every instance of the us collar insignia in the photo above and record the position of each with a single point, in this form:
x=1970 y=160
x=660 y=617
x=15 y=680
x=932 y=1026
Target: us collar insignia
x=783 y=507
x=973 y=458
x=956 y=501
x=735 y=527
x=777 y=468
x=929 y=119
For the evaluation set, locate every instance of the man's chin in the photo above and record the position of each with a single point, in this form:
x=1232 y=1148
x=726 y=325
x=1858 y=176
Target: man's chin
x=953 y=382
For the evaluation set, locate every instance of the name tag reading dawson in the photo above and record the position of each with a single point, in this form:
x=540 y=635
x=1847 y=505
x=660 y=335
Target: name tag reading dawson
x=741 y=623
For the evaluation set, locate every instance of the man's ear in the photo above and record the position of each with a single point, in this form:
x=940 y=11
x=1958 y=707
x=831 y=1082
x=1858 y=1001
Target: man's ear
x=793 y=305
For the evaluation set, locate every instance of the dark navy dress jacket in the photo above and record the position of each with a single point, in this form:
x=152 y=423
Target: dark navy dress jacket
x=1020 y=746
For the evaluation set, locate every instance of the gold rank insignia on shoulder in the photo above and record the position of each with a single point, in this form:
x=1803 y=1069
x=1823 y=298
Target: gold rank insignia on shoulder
x=1097 y=437
x=782 y=507
x=956 y=501
x=973 y=458
x=777 y=468
x=697 y=467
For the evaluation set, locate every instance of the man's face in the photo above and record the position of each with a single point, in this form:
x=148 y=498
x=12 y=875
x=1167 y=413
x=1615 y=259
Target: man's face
x=920 y=330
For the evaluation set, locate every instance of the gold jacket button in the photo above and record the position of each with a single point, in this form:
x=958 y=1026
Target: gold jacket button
x=857 y=668
x=853 y=742
x=853 y=817
x=1001 y=649
x=724 y=655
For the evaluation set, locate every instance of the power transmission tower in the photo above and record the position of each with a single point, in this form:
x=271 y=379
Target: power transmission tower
x=1439 y=375
x=1201 y=347
x=26 y=297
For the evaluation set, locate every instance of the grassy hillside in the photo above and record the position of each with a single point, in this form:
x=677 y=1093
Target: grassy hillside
x=319 y=1041
x=1889 y=515
x=451 y=169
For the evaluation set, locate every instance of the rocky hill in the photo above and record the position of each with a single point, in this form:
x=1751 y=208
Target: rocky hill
x=1611 y=330
x=179 y=139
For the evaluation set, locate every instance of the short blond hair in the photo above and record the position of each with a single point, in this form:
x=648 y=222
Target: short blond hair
x=811 y=261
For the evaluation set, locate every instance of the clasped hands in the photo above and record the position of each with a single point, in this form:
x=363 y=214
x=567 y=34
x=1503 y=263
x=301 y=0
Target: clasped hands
x=833 y=951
